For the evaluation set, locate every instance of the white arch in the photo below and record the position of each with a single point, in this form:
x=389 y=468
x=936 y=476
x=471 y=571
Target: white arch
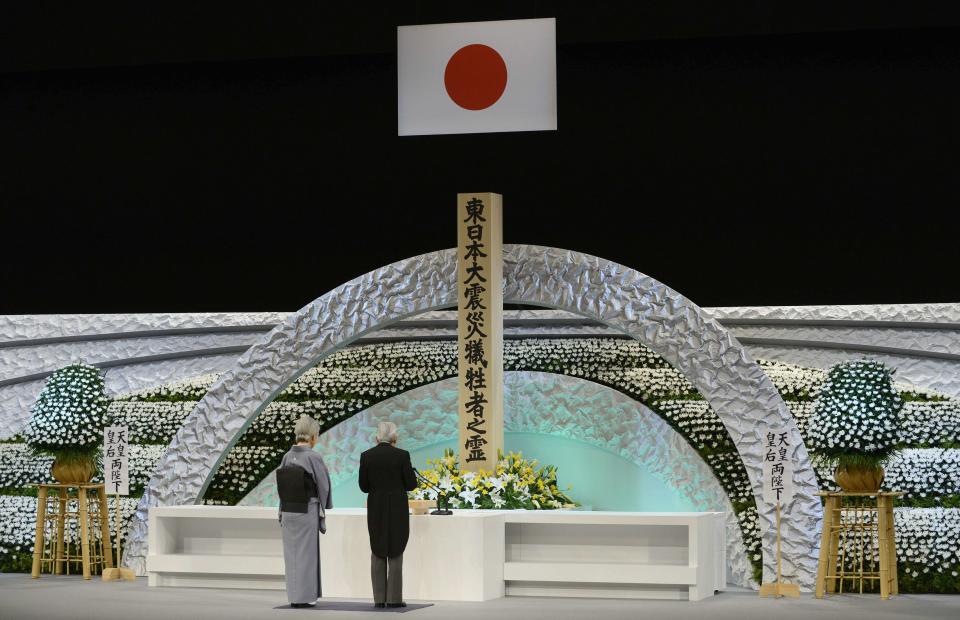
x=712 y=360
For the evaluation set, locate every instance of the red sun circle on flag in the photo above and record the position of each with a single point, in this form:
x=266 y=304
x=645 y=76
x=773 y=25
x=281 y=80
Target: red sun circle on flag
x=475 y=77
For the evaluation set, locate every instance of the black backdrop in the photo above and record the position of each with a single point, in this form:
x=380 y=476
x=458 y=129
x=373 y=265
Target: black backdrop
x=166 y=158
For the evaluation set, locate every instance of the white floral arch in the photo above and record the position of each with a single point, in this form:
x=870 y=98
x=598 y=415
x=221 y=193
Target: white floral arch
x=740 y=393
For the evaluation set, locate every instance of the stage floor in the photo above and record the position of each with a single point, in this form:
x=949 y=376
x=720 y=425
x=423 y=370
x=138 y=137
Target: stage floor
x=23 y=598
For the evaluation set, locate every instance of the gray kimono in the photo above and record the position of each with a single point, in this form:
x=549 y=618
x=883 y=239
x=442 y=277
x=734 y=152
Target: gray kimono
x=301 y=548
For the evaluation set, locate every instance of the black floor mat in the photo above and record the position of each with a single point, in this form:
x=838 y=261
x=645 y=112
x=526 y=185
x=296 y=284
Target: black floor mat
x=353 y=606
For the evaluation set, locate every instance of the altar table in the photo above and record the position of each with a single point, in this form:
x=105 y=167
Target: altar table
x=468 y=556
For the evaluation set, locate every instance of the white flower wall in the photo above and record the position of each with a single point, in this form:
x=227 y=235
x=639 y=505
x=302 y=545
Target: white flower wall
x=351 y=380
x=19 y=467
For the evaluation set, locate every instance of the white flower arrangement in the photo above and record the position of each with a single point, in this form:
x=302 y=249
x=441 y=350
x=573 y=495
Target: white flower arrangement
x=857 y=414
x=69 y=413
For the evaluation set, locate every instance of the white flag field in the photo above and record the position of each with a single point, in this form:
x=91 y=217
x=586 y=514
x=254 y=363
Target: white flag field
x=477 y=77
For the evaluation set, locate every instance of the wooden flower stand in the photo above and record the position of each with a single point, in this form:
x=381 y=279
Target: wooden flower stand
x=55 y=511
x=852 y=526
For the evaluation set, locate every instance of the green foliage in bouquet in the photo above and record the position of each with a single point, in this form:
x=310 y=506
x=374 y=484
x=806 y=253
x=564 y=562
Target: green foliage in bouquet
x=68 y=417
x=515 y=484
x=856 y=416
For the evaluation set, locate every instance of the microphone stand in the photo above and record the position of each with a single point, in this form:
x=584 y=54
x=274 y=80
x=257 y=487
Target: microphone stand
x=441 y=495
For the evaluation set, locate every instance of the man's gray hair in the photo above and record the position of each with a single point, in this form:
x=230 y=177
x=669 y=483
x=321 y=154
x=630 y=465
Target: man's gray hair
x=386 y=432
x=306 y=429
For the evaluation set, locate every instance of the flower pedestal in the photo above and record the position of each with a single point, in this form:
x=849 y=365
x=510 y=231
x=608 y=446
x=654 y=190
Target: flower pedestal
x=857 y=543
x=54 y=511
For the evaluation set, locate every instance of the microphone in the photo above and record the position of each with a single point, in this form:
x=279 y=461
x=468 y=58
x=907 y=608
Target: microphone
x=442 y=508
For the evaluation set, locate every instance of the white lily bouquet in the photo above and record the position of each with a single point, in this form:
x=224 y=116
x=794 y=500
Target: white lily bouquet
x=515 y=484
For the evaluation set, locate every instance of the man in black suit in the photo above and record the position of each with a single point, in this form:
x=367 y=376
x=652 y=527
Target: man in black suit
x=386 y=475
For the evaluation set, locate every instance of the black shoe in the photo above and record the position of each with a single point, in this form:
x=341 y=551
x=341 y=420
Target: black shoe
x=301 y=605
x=379 y=605
x=400 y=604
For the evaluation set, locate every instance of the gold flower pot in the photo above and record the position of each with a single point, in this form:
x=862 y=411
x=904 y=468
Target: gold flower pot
x=859 y=479
x=73 y=470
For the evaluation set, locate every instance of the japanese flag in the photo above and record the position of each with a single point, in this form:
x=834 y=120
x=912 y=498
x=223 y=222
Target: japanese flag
x=477 y=77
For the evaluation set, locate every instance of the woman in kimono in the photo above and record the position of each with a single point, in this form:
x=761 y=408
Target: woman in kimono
x=301 y=548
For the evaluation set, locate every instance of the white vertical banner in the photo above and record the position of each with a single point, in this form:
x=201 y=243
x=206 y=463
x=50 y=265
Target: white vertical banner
x=777 y=466
x=116 y=473
x=778 y=444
